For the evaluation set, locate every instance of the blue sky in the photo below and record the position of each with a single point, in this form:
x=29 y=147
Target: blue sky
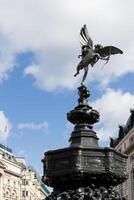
x=39 y=48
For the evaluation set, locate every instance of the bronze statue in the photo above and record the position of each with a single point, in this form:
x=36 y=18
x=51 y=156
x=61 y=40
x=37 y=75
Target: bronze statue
x=90 y=55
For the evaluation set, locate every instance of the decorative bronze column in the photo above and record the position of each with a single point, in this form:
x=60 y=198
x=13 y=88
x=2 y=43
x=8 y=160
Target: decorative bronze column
x=84 y=171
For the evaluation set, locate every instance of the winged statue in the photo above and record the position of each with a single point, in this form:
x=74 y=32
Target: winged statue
x=91 y=54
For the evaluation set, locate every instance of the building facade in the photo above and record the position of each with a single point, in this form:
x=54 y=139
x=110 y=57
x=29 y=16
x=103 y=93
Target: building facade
x=17 y=181
x=32 y=187
x=125 y=144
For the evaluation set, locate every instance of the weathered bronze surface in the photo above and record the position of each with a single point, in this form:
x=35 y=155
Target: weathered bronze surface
x=90 y=55
x=87 y=193
x=85 y=171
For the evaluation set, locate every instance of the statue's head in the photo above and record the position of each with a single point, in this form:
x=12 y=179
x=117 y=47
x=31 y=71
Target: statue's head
x=98 y=47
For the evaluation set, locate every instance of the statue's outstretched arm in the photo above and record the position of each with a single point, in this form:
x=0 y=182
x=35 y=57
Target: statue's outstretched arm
x=100 y=57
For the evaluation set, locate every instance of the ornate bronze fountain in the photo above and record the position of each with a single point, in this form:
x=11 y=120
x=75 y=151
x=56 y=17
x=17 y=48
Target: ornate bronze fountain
x=84 y=171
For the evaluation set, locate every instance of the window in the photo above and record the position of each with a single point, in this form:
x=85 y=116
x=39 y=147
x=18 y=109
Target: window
x=24 y=182
x=14 y=195
x=132 y=179
x=14 y=184
x=8 y=181
x=131 y=140
x=9 y=157
x=23 y=193
x=26 y=193
x=7 y=194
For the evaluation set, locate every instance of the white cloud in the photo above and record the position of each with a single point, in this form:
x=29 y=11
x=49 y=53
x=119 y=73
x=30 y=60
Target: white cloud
x=33 y=126
x=48 y=79
x=50 y=30
x=7 y=57
x=114 y=108
x=5 y=126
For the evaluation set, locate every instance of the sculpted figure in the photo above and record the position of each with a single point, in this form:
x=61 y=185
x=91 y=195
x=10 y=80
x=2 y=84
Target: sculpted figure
x=91 y=54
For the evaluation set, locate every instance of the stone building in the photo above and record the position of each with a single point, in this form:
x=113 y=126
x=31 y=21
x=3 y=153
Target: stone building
x=125 y=144
x=17 y=181
x=32 y=187
x=10 y=175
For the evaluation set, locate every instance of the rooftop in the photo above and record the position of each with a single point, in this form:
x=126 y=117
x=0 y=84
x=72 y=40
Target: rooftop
x=123 y=130
x=5 y=148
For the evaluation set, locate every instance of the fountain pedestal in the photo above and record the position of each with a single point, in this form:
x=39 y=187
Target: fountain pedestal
x=84 y=170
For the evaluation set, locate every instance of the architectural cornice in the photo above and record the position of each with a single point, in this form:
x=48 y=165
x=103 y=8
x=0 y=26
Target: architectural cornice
x=16 y=164
x=125 y=138
x=129 y=149
x=2 y=165
x=12 y=173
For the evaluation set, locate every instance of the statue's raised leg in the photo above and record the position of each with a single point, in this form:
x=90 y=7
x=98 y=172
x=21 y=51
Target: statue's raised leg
x=79 y=67
x=85 y=74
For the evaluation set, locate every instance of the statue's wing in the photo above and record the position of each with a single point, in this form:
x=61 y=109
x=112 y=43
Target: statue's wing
x=109 y=50
x=85 y=40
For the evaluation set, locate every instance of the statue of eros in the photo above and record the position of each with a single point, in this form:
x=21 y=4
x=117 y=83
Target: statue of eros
x=90 y=55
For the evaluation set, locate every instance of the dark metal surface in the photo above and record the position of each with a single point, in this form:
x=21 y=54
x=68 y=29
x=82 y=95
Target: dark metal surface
x=77 y=166
x=84 y=170
x=87 y=193
x=83 y=113
x=90 y=55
